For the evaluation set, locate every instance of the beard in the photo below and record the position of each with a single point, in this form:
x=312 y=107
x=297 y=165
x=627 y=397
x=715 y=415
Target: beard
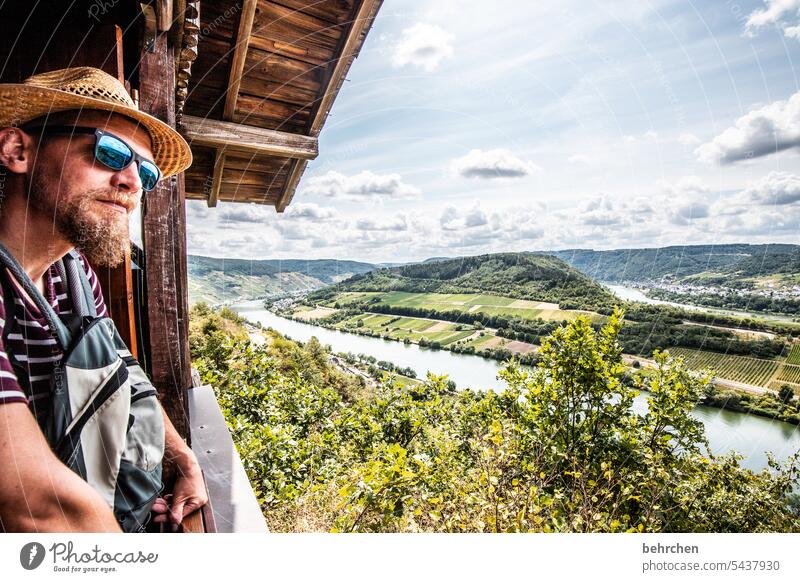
x=103 y=237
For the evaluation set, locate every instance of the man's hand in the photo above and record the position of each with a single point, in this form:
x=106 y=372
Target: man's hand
x=189 y=495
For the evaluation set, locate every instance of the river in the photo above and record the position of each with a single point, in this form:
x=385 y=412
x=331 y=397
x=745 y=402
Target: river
x=749 y=435
x=633 y=294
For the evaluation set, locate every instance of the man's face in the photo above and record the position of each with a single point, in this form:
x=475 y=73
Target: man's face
x=88 y=202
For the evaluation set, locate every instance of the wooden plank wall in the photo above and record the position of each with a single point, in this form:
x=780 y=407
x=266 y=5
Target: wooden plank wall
x=289 y=58
x=164 y=221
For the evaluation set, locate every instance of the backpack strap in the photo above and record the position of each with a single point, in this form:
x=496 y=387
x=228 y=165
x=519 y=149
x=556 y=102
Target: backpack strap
x=57 y=328
x=77 y=283
x=9 y=306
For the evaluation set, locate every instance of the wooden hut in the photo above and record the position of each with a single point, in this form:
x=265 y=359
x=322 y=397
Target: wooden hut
x=249 y=83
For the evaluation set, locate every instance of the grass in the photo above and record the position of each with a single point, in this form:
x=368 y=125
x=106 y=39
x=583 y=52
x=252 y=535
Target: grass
x=464 y=302
x=480 y=342
x=402 y=381
x=448 y=337
x=413 y=324
x=416 y=329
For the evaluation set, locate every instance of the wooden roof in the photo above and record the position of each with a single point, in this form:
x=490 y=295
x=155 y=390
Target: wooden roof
x=264 y=78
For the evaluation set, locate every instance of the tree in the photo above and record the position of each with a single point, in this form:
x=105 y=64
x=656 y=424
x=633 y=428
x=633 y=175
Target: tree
x=786 y=394
x=561 y=449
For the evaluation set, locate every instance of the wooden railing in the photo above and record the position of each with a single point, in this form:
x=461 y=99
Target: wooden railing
x=232 y=504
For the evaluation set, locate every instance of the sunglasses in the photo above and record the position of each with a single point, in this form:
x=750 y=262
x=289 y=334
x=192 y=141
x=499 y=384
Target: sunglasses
x=110 y=151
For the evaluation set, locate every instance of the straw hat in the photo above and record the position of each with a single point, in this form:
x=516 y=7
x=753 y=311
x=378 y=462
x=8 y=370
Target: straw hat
x=90 y=88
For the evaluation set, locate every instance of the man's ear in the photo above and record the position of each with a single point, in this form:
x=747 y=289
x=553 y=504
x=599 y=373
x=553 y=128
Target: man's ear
x=16 y=150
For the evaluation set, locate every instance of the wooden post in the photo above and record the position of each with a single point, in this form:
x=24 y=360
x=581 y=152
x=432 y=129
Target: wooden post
x=164 y=226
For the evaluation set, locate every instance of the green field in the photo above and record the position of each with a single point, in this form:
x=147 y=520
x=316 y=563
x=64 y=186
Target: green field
x=415 y=329
x=794 y=355
x=464 y=302
x=480 y=342
x=407 y=327
x=751 y=371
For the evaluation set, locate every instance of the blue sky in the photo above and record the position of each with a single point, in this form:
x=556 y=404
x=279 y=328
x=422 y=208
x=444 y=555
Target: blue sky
x=468 y=127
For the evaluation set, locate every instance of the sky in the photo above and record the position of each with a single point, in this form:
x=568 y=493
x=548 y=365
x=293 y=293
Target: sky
x=468 y=127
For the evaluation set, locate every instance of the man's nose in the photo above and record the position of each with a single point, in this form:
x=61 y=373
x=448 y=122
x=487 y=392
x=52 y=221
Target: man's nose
x=127 y=178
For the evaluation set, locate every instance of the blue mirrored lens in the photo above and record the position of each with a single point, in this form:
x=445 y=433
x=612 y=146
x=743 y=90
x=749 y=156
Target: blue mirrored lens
x=113 y=152
x=149 y=174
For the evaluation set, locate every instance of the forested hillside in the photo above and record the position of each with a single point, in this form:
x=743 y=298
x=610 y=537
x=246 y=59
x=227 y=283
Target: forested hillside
x=726 y=262
x=517 y=275
x=216 y=280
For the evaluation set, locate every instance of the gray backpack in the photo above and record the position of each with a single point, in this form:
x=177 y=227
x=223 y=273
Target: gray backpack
x=104 y=422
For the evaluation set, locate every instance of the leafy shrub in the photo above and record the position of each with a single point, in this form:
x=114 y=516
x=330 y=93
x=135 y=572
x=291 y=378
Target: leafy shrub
x=560 y=450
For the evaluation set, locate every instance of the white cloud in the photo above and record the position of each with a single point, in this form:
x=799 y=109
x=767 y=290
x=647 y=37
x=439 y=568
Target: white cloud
x=423 y=45
x=776 y=188
x=687 y=186
x=600 y=211
x=256 y=213
x=773 y=13
x=792 y=32
x=359 y=187
x=454 y=219
x=579 y=159
x=398 y=222
x=293 y=231
x=489 y=164
x=197 y=210
x=685 y=213
x=772 y=128
x=648 y=135
x=476 y=217
x=766 y=225
x=688 y=139
x=312 y=211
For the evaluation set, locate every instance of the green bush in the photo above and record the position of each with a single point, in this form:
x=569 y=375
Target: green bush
x=560 y=450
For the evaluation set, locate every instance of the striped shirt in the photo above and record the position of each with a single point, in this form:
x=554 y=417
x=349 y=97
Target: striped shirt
x=29 y=352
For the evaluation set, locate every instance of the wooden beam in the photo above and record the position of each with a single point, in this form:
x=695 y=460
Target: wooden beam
x=216 y=181
x=248 y=139
x=117 y=286
x=164 y=14
x=352 y=45
x=239 y=57
x=164 y=222
x=291 y=185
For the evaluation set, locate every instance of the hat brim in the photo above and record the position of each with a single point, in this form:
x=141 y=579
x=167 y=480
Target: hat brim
x=20 y=104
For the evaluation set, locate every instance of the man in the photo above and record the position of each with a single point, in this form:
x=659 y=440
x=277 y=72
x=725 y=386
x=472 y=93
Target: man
x=60 y=191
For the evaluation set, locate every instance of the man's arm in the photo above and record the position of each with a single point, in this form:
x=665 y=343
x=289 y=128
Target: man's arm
x=38 y=493
x=189 y=493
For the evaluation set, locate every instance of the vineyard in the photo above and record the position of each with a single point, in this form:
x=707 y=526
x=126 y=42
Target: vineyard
x=789 y=373
x=794 y=355
x=736 y=368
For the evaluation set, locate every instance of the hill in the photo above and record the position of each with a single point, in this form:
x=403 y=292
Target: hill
x=215 y=280
x=716 y=264
x=518 y=275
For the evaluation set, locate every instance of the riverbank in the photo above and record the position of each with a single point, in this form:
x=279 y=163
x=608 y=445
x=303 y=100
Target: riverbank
x=724 y=394
x=326 y=455
x=436 y=334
